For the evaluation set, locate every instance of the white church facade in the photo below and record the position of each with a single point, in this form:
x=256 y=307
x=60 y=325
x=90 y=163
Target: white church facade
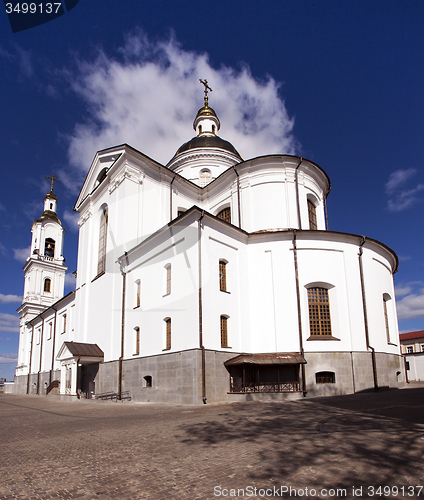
x=212 y=278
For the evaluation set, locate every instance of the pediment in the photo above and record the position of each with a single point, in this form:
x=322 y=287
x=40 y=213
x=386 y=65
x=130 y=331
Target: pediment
x=99 y=168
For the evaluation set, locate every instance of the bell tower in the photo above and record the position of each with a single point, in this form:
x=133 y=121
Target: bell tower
x=45 y=267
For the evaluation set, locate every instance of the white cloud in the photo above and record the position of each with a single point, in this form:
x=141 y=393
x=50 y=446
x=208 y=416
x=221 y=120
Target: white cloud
x=71 y=218
x=8 y=299
x=8 y=358
x=411 y=306
x=70 y=280
x=399 y=197
x=148 y=95
x=21 y=254
x=9 y=322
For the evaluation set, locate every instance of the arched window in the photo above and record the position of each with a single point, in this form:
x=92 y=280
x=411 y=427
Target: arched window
x=224 y=331
x=200 y=129
x=222 y=275
x=312 y=215
x=167 y=279
x=205 y=177
x=325 y=378
x=386 y=299
x=136 y=341
x=319 y=311
x=168 y=333
x=47 y=285
x=101 y=261
x=147 y=381
x=101 y=177
x=137 y=293
x=49 y=244
x=225 y=214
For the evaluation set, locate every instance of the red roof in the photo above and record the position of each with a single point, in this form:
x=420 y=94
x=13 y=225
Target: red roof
x=411 y=335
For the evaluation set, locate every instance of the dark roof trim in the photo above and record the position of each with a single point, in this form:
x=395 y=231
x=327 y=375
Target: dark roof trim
x=81 y=349
x=281 y=358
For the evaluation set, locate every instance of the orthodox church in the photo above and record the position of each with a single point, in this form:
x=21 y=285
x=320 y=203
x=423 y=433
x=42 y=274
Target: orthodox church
x=212 y=278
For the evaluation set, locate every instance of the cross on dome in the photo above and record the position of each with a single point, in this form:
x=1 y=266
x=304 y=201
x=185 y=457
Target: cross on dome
x=207 y=88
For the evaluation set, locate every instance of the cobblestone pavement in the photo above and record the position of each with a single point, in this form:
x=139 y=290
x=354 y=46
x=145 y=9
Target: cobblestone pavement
x=93 y=450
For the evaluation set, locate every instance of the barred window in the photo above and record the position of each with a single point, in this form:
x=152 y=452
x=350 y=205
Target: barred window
x=101 y=261
x=222 y=276
x=225 y=214
x=136 y=340
x=205 y=177
x=137 y=293
x=386 y=320
x=319 y=311
x=224 y=331
x=167 y=279
x=325 y=377
x=312 y=214
x=168 y=333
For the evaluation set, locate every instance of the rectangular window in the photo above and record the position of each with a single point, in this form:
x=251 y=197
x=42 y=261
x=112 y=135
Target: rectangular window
x=224 y=331
x=410 y=349
x=50 y=330
x=422 y=347
x=312 y=214
x=319 y=311
x=38 y=335
x=222 y=276
x=64 y=323
x=168 y=333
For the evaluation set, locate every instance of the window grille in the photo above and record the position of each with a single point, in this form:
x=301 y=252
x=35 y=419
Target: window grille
x=386 y=320
x=168 y=279
x=312 y=214
x=205 y=177
x=225 y=214
x=319 y=311
x=325 y=378
x=137 y=293
x=137 y=340
x=101 y=262
x=224 y=331
x=168 y=333
x=222 y=276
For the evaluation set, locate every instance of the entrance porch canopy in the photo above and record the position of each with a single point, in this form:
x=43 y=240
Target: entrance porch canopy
x=281 y=358
x=85 y=353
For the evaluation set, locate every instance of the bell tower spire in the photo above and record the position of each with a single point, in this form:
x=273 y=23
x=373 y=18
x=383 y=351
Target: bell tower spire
x=45 y=267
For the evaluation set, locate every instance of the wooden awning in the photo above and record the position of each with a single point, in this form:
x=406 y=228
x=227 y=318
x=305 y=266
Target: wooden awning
x=280 y=358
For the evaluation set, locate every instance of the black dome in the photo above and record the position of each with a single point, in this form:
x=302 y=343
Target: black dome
x=208 y=141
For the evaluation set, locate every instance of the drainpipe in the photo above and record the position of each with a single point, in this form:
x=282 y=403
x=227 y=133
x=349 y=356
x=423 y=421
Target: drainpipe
x=124 y=276
x=202 y=347
x=77 y=377
x=54 y=344
x=30 y=360
x=238 y=196
x=364 y=305
x=170 y=198
x=41 y=355
x=325 y=210
x=296 y=180
x=299 y=315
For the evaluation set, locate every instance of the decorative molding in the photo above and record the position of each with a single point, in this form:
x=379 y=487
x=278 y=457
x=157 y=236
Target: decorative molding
x=128 y=173
x=84 y=217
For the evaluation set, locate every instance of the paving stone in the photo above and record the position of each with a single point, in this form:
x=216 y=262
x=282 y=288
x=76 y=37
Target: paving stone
x=97 y=451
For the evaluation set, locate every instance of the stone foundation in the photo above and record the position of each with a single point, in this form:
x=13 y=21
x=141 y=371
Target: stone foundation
x=177 y=377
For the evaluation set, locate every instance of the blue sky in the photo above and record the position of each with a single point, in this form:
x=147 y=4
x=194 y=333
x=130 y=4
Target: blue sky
x=338 y=82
